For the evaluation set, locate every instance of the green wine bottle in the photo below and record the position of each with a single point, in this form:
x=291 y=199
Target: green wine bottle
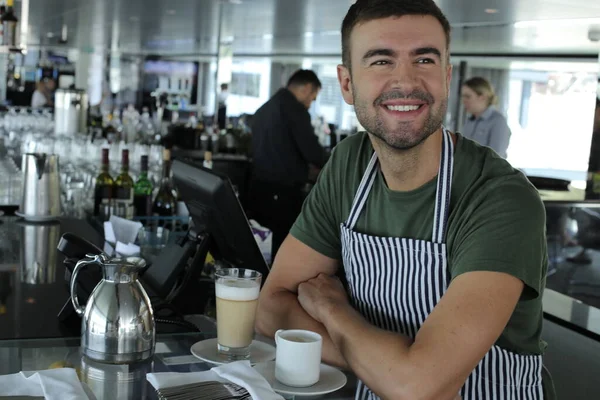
x=123 y=203
x=103 y=190
x=142 y=198
x=165 y=203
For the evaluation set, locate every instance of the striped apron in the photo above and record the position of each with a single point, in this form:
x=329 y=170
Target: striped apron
x=396 y=282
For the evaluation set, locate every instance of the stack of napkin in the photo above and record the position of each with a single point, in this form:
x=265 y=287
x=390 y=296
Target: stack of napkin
x=239 y=372
x=52 y=384
x=120 y=235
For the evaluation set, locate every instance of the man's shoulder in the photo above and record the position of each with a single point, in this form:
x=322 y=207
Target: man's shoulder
x=513 y=190
x=284 y=98
x=469 y=153
x=263 y=117
x=490 y=178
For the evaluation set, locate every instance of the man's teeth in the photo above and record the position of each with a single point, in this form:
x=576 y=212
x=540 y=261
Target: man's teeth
x=403 y=108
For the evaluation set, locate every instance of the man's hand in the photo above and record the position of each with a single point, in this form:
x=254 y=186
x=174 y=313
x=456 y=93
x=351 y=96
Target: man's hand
x=321 y=295
x=278 y=305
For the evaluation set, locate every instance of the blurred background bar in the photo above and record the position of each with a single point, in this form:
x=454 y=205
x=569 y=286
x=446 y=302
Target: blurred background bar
x=119 y=89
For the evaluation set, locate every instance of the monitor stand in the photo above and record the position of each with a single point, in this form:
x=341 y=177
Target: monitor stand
x=192 y=290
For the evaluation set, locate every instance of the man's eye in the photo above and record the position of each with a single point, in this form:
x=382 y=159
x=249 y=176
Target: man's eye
x=381 y=62
x=426 y=61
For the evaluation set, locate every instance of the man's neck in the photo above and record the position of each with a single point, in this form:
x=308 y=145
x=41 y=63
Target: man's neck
x=294 y=93
x=406 y=170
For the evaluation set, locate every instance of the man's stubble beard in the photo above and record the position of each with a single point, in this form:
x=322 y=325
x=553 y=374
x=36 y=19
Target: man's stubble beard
x=403 y=137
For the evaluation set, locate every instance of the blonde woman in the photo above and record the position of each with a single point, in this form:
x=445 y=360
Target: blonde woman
x=485 y=125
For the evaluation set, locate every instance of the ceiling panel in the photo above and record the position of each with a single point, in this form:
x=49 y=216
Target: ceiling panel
x=300 y=26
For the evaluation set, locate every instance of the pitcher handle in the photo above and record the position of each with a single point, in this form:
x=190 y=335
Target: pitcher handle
x=91 y=259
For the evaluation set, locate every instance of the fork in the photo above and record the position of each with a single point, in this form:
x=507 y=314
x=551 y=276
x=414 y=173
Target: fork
x=210 y=390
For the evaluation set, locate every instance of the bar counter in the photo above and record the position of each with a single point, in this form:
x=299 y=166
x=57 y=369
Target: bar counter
x=123 y=382
x=33 y=290
x=32 y=338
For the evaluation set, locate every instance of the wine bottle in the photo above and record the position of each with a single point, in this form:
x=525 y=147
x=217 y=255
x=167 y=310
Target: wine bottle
x=165 y=203
x=123 y=201
x=142 y=199
x=9 y=25
x=103 y=189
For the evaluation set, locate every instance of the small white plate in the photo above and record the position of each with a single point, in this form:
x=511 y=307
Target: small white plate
x=206 y=350
x=36 y=218
x=330 y=380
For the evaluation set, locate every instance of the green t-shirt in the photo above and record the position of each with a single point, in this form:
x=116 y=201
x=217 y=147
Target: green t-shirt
x=496 y=222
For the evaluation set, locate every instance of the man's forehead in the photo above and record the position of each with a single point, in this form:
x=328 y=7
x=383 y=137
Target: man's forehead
x=396 y=30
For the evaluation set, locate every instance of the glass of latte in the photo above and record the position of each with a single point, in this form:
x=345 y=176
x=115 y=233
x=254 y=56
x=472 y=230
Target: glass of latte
x=237 y=298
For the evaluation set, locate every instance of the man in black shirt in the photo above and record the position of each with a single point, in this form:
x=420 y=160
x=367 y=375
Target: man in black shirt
x=284 y=146
x=222 y=109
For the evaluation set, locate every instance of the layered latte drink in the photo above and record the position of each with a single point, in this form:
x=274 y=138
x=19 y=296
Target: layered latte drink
x=237 y=299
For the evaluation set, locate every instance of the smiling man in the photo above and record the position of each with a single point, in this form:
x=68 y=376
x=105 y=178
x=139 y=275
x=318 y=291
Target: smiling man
x=441 y=241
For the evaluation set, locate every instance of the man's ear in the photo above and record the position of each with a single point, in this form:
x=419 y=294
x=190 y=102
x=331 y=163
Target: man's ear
x=345 y=80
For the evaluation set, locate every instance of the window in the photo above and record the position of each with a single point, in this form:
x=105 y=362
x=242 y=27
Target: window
x=550 y=115
x=245 y=84
x=249 y=88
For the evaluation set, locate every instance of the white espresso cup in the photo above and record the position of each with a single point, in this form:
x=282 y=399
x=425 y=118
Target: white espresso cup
x=298 y=358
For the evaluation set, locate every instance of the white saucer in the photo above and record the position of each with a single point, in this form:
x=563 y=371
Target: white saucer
x=330 y=380
x=37 y=218
x=206 y=350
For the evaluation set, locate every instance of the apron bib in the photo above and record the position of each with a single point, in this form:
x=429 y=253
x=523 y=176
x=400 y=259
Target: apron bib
x=396 y=282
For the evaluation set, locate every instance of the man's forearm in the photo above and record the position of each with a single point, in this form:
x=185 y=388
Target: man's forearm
x=379 y=358
x=282 y=311
x=372 y=354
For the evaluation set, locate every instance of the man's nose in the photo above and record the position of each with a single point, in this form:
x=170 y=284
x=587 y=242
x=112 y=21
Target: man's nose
x=404 y=77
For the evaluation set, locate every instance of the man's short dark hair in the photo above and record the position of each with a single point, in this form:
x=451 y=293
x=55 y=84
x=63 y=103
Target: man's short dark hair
x=369 y=10
x=302 y=77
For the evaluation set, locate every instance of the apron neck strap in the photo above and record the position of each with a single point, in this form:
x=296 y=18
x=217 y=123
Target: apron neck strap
x=363 y=191
x=444 y=185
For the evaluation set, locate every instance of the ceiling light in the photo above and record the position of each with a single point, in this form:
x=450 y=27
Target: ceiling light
x=64 y=33
x=267 y=36
x=308 y=34
x=171 y=12
x=557 y=22
x=491 y=10
x=50 y=35
x=235 y=1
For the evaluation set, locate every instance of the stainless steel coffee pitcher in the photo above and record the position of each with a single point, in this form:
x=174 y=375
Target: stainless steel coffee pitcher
x=116 y=382
x=41 y=186
x=118 y=322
